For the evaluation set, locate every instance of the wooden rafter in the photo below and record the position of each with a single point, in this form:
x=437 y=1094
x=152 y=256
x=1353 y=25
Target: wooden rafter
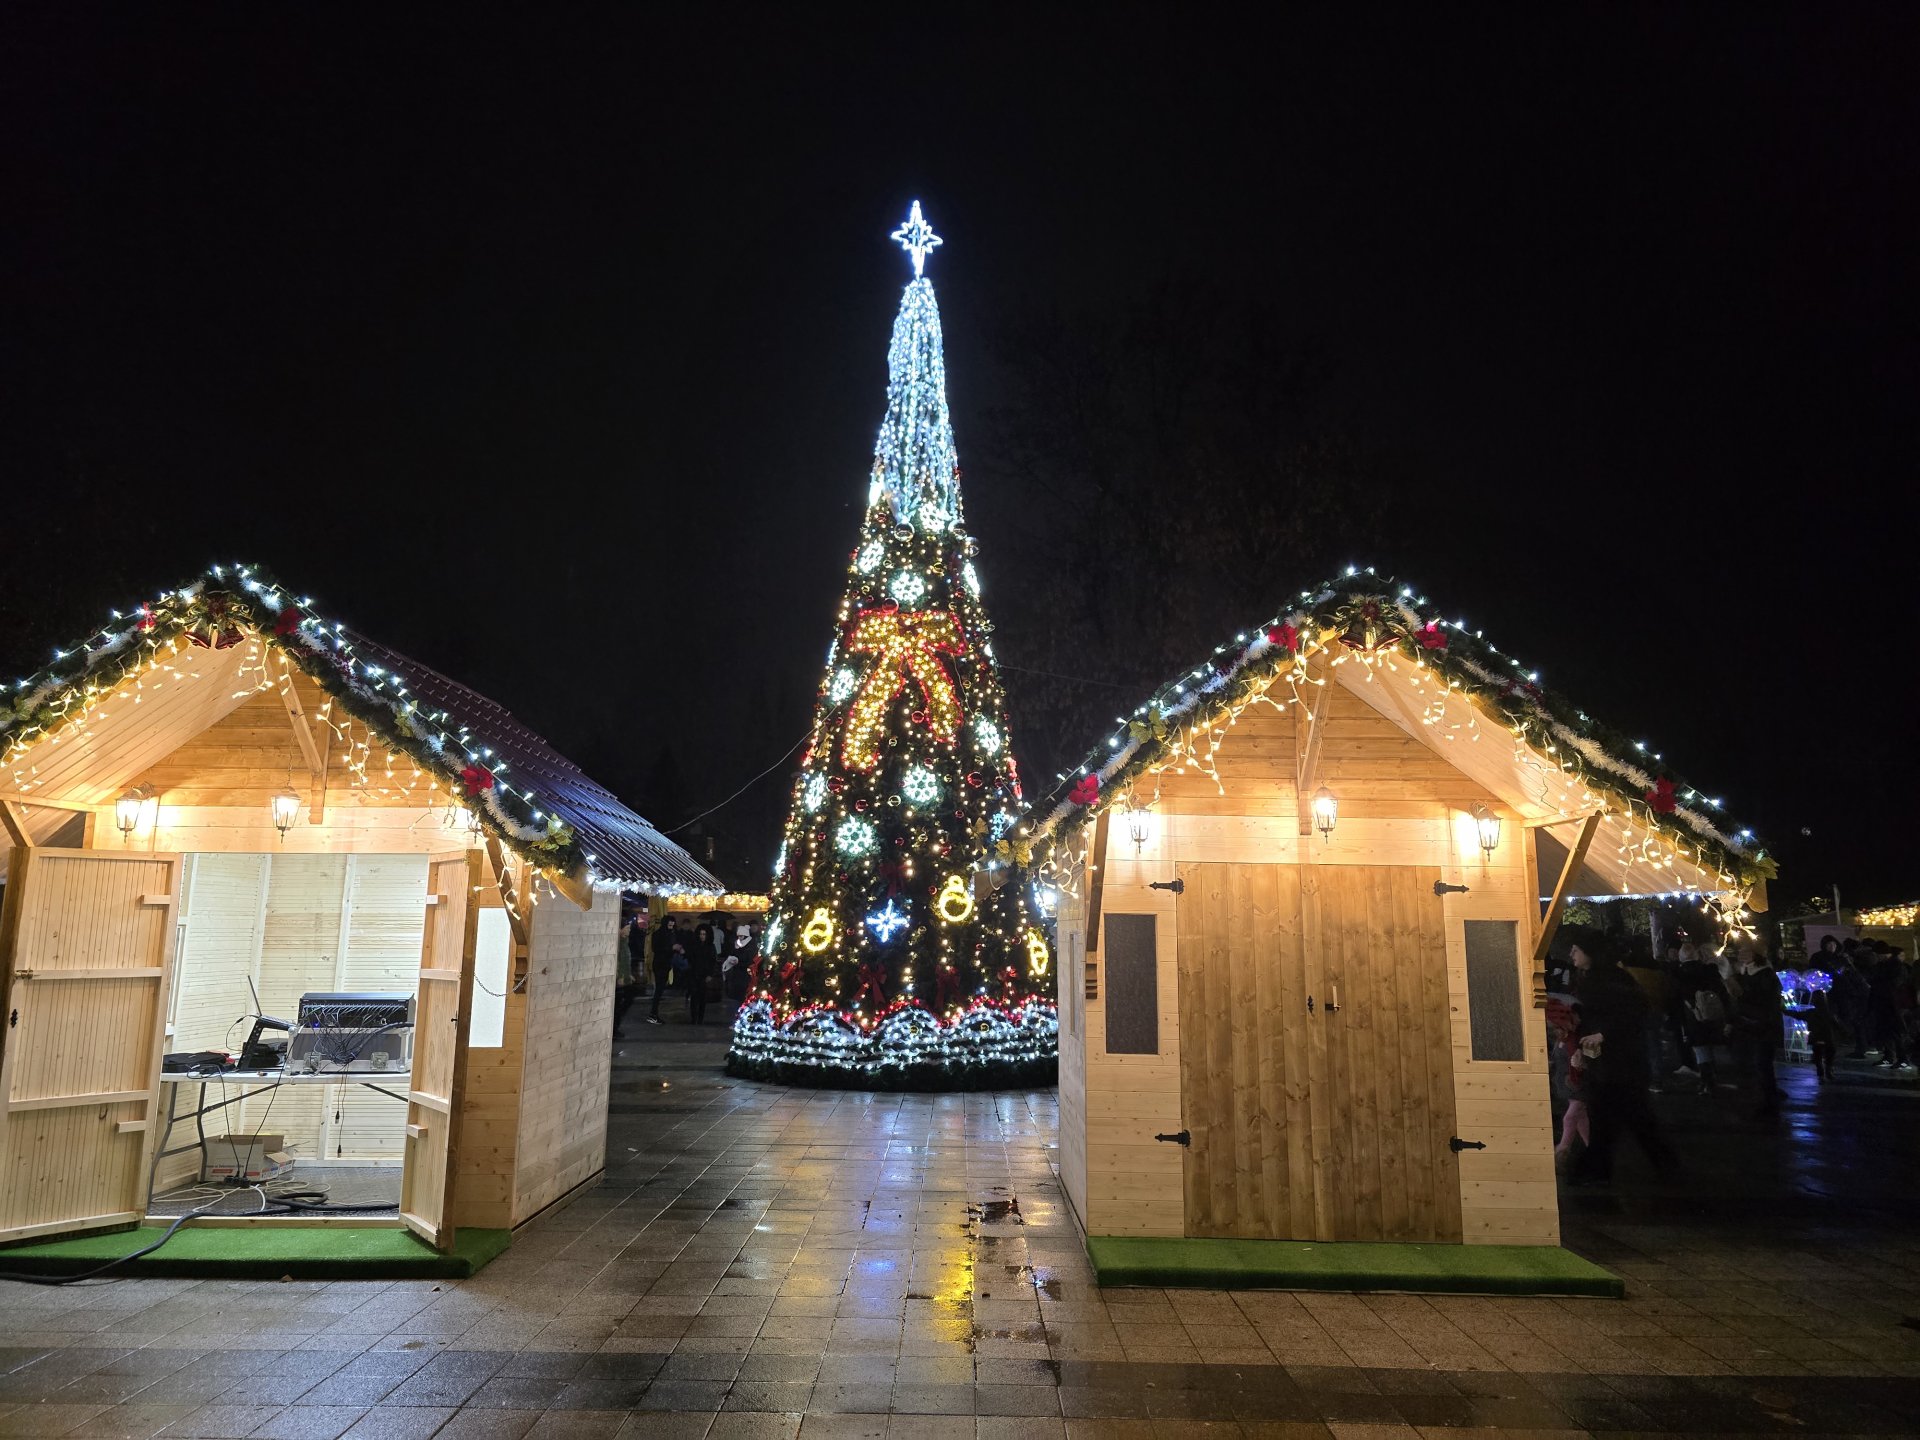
x=1309 y=724
x=1096 y=878
x=1550 y=925
x=14 y=819
x=313 y=749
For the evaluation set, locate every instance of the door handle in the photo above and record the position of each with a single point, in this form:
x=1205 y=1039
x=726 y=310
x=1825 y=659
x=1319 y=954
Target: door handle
x=1185 y=1137
x=1456 y=1144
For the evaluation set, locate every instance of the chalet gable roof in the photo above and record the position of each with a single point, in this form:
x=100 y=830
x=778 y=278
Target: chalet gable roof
x=534 y=800
x=1446 y=685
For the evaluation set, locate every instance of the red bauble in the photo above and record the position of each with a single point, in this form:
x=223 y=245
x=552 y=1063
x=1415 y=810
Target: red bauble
x=836 y=783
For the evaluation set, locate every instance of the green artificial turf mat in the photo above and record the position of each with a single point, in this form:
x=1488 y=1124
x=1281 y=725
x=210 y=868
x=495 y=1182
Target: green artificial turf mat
x=263 y=1252
x=1319 y=1265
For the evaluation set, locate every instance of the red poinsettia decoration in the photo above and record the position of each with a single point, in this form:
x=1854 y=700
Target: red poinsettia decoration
x=147 y=622
x=288 y=623
x=1661 y=799
x=477 y=778
x=1432 y=637
x=1085 y=790
x=1285 y=636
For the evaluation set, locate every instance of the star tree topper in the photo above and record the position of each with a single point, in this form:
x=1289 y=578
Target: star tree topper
x=916 y=237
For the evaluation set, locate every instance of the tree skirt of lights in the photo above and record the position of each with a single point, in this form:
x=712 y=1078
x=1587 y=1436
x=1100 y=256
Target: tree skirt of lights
x=987 y=1047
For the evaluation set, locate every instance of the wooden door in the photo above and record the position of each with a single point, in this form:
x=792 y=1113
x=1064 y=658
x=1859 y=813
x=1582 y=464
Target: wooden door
x=1311 y=1122
x=440 y=1021
x=86 y=959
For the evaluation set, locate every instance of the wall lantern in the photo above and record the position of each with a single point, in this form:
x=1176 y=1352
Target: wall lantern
x=1488 y=824
x=1139 y=825
x=286 y=809
x=1326 y=810
x=130 y=809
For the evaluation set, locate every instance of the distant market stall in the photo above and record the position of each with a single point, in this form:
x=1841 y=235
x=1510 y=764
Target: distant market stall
x=1307 y=893
x=222 y=802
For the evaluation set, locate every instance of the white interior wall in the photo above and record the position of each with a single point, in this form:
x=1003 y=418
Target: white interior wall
x=299 y=923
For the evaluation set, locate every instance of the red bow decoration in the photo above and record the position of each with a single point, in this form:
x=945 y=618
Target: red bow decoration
x=873 y=976
x=1085 y=790
x=477 y=778
x=1660 y=799
x=1008 y=978
x=1432 y=637
x=288 y=623
x=894 y=873
x=946 y=986
x=1285 y=636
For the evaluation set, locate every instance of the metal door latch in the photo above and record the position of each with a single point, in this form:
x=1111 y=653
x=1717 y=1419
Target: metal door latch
x=1185 y=1137
x=1456 y=1144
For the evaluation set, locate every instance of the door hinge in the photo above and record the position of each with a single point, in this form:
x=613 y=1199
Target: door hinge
x=13 y=1019
x=1177 y=886
x=1456 y=1144
x=1440 y=887
x=1185 y=1137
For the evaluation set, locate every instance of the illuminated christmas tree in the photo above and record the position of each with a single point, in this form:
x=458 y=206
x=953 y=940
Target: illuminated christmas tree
x=902 y=948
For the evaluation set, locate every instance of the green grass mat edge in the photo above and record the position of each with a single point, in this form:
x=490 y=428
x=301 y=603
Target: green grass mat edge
x=1325 y=1265
x=333 y=1252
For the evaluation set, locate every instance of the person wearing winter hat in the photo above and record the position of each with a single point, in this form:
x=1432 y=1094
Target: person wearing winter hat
x=735 y=967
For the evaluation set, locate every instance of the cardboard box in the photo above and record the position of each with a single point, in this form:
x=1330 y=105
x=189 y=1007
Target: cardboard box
x=245 y=1157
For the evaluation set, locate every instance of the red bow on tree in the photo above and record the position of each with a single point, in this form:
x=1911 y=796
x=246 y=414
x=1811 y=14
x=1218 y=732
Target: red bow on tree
x=1285 y=636
x=1085 y=790
x=477 y=778
x=946 y=986
x=1008 y=979
x=789 y=979
x=1432 y=637
x=894 y=873
x=288 y=623
x=873 y=976
x=1661 y=799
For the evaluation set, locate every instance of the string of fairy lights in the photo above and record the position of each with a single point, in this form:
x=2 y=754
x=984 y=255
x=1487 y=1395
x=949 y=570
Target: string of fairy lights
x=389 y=744
x=888 y=948
x=1662 y=834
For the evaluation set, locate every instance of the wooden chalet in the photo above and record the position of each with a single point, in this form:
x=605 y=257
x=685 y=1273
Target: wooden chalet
x=1308 y=891
x=221 y=794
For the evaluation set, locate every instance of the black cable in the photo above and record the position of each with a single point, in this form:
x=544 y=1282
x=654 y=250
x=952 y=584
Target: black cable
x=114 y=1264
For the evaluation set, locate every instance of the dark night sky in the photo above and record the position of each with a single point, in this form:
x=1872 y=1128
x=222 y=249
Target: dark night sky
x=552 y=354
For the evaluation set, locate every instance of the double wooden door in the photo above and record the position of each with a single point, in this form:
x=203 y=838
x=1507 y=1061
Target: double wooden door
x=1316 y=1061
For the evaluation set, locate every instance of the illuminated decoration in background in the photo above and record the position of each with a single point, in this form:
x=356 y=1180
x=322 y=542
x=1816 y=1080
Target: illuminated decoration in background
x=904 y=965
x=1890 y=917
x=1038 y=954
x=904 y=643
x=818 y=933
x=733 y=903
x=954 y=904
x=921 y=786
x=888 y=921
x=916 y=237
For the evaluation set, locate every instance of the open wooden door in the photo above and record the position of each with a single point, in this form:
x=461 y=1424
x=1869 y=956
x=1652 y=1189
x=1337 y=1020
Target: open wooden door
x=440 y=1021
x=86 y=959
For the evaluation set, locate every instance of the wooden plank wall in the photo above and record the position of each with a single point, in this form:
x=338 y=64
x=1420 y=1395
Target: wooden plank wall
x=1070 y=935
x=1400 y=805
x=490 y=1109
x=569 y=1055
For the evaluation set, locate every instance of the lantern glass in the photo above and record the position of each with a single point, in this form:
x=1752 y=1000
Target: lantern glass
x=126 y=812
x=1488 y=824
x=1139 y=826
x=1326 y=810
x=286 y=809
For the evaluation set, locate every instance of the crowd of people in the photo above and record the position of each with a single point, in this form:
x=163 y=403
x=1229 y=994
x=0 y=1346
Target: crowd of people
x=1711 y=1021
x=685 y=966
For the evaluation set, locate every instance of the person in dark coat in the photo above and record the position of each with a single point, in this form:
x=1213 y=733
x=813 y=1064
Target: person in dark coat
x=1758 y=1015
x=1850 y=1001
x=701 y=965
x=1612 y=1030
x=666 y=940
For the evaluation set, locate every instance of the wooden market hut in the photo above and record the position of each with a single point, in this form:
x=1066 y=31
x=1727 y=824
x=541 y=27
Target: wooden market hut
x=1282 y=1025
x=222 y=792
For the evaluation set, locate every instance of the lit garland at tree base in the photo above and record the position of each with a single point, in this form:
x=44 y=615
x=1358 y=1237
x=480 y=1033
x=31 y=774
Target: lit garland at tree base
x=989 y=1047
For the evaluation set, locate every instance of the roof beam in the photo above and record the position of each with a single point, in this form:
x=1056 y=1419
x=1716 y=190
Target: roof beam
x=315 y=751
x=14 y=819
x=1550 y=925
